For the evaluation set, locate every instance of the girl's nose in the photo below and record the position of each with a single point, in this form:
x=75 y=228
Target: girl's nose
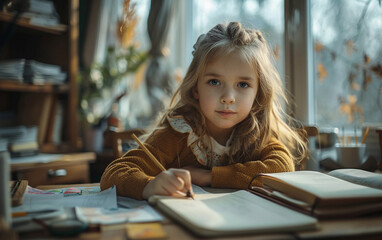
x=227 y=98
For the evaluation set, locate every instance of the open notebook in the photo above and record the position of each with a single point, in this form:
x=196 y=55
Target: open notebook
x=234 y=213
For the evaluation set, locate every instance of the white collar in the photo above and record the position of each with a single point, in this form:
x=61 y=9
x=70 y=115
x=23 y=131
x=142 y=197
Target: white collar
x=203 y=153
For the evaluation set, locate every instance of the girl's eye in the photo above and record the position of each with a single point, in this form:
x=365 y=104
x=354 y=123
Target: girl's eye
x=213 y=82
x=242 y=85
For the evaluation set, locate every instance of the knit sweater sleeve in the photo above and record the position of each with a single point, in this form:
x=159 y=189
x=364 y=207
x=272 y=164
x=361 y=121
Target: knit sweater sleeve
x=273 y=158
x=133 y=170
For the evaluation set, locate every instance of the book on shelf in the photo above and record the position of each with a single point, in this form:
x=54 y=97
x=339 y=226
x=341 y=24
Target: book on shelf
x=31 y=71
x=22 y=146
x=22 y=149
x=340 y=193
x=36 y=12
x=234 y=213
x=36 y=109
x=12 y=69
x=55 y=123
x=21 y=140
x=37 y=72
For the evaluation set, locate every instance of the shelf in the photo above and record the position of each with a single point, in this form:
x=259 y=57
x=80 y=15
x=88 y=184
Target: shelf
x=24 y=22
x=50 y=105
x=8 y=85
x=57 y=148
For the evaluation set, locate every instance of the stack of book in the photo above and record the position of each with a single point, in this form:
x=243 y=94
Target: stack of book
x=340 y=193
x=31 y=71
x=36 y=12
x=42 y=12
x=37 y=72
x=12 y=69
x=22 y=140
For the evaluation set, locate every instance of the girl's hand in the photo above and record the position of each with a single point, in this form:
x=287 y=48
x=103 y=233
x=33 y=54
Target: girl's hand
x=199 y=176
x=172 y=182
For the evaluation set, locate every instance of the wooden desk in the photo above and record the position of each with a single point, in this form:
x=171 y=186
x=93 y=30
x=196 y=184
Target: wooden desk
x=63 y=169
x=364 y=227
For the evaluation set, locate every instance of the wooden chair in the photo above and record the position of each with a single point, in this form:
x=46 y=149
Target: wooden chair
x=117 y=139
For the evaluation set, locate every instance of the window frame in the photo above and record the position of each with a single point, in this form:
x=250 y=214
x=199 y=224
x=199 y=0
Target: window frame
x=299 y=65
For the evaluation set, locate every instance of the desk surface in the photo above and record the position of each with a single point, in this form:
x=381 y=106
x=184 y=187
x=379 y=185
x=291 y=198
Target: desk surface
x=364 y=227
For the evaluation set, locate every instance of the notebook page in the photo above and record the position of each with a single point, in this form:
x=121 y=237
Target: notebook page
x=239 y=211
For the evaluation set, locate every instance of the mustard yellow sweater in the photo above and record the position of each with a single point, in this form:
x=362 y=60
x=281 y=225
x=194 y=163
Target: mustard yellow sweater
x=133 y=170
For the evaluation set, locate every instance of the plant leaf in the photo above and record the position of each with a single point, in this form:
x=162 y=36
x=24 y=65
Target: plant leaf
x=318 y=47
x=366 y=59
x=350 y=108
x=366 y=80
x=322 y=73
x=377 y=69
x=350 y=47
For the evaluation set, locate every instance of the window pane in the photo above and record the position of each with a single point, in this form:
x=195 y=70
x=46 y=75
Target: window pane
x=347 y=56
x=252 y=13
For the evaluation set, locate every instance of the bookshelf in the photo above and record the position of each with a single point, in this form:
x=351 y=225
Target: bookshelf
x=37 y=104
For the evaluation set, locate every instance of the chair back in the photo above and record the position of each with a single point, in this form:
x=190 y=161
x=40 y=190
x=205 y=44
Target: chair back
x=118 y=138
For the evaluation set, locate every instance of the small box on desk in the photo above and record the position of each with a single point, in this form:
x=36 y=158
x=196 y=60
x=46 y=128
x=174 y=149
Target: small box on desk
x=17 y=189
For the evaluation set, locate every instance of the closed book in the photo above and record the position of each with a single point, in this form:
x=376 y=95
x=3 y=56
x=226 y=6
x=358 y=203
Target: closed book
x=23 y=146
x=324 y=195
x=25 y=153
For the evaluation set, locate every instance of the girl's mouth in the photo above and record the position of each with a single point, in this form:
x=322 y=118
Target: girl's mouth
x=226 y=113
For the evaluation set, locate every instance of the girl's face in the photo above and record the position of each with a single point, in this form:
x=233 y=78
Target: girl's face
x=226 y=93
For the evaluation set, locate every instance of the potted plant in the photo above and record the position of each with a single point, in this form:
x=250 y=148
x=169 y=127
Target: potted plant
x=103 y=84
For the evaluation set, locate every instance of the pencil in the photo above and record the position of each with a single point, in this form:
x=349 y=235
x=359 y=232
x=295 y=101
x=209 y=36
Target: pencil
x=189 y=195
x=337 y=135
x=338 y=139
x=365 y=135
x=19 y=214
x=152 y=157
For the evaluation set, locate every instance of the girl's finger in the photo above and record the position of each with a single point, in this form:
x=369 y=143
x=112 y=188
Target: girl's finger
x=171 y=190
x=185 y=176
x=178 y=182
x=179 y=194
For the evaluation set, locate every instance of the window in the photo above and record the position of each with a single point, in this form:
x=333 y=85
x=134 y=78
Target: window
x=199 y=16
x=347 y=57
x=334 y=67
x=252 y=13
x=328 y=52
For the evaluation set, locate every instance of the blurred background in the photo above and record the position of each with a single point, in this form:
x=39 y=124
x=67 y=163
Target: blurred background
x=73 y=71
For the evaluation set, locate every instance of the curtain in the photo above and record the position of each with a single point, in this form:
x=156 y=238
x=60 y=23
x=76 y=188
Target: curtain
x=100 y=31
x=158 y=78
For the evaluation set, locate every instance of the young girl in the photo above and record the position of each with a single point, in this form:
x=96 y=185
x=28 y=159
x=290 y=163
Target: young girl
x=225 y=123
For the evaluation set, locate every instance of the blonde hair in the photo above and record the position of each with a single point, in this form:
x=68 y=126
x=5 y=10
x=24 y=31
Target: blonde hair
x=267 y=118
